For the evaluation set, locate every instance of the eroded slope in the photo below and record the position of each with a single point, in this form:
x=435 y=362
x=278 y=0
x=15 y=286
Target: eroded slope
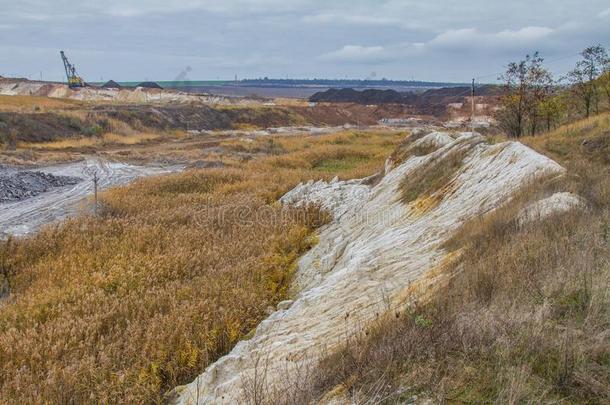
x=365 y=260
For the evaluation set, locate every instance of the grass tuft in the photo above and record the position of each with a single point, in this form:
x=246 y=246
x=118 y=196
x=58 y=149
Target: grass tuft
x=432 y=176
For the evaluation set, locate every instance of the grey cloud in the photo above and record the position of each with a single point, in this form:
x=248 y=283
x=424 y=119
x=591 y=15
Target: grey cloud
x=129 y=39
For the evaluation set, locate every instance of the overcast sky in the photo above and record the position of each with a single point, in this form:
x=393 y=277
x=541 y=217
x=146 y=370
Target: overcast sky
x=445 y=40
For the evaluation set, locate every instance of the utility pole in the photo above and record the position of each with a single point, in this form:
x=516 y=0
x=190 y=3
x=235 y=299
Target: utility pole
x=472 y=107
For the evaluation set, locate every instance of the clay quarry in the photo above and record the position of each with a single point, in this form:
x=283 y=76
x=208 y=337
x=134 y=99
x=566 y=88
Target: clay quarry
x=305 y=241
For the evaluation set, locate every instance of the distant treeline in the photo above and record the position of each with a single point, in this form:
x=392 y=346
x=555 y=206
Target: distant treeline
x=344 y=83
x=267 y=82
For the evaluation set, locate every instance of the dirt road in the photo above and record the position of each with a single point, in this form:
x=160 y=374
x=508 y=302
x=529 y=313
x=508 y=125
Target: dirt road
x=25 y=216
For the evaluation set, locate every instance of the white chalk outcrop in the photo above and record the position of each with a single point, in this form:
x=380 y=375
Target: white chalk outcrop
x=555 y=204
x=21 y=87
x=367 y=258
x=338 y=197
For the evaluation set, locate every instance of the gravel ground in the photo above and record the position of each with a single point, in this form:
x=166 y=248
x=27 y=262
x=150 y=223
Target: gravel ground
x=53 y=193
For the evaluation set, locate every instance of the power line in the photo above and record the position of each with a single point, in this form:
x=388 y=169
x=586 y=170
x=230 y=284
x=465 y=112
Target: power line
x=470 y=90
x=544 y=61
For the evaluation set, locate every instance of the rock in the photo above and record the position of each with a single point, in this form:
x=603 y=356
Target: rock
x=336 y=196
x=557 y=203
x=284 y=305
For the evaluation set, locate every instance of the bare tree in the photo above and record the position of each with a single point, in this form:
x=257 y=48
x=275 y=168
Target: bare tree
x=541 y=86
x=512 y=116
x=527 y=84
x=92 y=170
x=583 y=78
x=604 y=79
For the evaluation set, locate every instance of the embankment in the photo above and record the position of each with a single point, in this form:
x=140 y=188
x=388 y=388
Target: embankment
x=384 y=239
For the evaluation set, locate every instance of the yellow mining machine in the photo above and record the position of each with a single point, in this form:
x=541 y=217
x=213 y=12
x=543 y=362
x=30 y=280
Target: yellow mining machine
x=73 y=79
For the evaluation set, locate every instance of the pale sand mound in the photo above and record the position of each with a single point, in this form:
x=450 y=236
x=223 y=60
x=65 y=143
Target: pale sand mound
x=555 y=204
x=20 y=87
x=367 y=258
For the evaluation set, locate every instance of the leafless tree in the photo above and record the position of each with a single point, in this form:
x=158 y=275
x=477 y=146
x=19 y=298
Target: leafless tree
x=527 y=85
x=92 y=170
x=604 y=79
x=584 y=77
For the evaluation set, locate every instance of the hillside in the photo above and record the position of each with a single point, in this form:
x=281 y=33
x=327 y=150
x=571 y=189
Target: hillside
x=512 y=303
x=523 y=313
x=32 y=123
x=464 y=268
x=454 y=277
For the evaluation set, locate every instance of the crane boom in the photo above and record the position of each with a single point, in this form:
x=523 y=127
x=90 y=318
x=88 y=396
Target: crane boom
x=73 y=79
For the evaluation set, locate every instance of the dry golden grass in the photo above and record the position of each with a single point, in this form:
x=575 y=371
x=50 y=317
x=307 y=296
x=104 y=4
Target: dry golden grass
x=590 y=136
x=245 y=127
x=133 y=139
x=34 y=104
x=91 y=142
x=523 y=317
x=292 y=102
x=69 y=143
x=121 y=308
x=432 y=177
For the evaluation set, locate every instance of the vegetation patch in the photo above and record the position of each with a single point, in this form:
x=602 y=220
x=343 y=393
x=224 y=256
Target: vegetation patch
x=432 y=176
x=171 y=275
x=268 y=146
x=406 y=149
x=334 y=165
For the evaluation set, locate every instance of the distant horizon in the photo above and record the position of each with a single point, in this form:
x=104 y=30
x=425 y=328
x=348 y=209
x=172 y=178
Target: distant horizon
x=270 y=79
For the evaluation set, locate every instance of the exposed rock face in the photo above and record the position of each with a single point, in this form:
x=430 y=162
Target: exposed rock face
x=367 y=258
x=555 y=204
x=331 y=196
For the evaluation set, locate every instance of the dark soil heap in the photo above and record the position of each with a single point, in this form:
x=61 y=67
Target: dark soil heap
x=425 y=99
x=20 y=185
x=111 y=84
x=149 y=85
x=369 y=96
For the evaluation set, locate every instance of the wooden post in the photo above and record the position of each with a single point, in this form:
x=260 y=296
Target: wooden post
x=472 y=107
x=95 y=193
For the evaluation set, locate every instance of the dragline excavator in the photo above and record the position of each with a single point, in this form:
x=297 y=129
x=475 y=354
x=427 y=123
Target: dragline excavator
x=73 y=79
